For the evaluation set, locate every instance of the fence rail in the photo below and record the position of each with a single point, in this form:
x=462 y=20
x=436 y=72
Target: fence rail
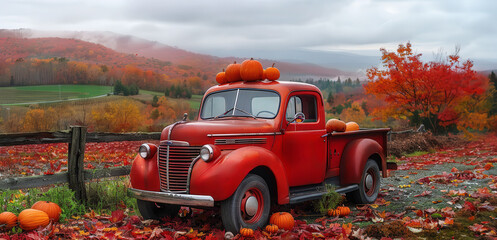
x=76 y=175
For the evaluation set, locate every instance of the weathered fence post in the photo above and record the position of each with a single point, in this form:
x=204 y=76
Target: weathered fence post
x=76 y=155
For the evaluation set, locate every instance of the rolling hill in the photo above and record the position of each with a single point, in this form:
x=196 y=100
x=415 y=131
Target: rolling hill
x=149 y=54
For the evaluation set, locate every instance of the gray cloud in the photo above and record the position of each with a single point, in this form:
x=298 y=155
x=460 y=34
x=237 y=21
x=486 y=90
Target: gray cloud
x=225 y=26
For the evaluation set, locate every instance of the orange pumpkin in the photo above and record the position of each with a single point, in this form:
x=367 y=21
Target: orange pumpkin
x=247 y=232
x=50 y=208
x=335 y=125
x=333 y=212
x=221 y=77
x=232 y=72
x=30 y=219
x=251 y=70
x=283 y=220
x=271 y=228
x=351 y=126
x=272 y=73
x=8 y=219
x=344 y=211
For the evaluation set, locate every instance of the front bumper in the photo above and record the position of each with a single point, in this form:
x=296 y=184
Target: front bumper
x=172 y=198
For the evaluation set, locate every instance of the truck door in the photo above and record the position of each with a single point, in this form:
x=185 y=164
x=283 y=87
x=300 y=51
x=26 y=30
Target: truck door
x=304 y=150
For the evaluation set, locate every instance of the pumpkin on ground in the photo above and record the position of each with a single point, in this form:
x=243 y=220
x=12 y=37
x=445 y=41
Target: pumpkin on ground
x=247 y=232
x=283 y=220
x=335 y=125
x=272 y=73
x=344 y=211
x=8 y=219
x=221 y=77
x=333 y=212
x=30 y=219
x=271 y=228
x=232 y=72
x=50 y=208
x=351 y=126
x=251 y=70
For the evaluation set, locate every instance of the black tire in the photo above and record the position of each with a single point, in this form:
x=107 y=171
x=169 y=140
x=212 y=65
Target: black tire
x=369 y=187
x=235 y=211
x=152 y=210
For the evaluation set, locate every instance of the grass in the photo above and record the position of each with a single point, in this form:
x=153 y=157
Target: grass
x=43 y=93
x=416 y=154
x=104 y=196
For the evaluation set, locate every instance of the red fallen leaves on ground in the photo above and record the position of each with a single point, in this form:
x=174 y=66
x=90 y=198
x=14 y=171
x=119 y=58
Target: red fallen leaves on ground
x=48 y=159
x=480 y=155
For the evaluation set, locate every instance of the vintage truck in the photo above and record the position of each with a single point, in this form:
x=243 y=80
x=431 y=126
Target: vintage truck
x=255 y=144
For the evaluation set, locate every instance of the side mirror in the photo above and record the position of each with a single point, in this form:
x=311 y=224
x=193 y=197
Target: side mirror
x=298 y=118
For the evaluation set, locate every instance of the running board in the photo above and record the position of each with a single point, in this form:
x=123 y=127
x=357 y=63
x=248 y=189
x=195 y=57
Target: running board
x=317 y=192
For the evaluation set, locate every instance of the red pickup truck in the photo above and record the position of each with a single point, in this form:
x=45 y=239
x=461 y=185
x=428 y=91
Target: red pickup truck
x=255 y=144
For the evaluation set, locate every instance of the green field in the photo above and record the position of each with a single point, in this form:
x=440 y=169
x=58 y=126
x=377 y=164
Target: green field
x=49 y=93
x=61 y=93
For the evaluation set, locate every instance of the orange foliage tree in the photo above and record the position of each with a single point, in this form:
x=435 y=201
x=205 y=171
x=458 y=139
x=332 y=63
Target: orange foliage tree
x=119 y=116
x=354 y=113
x=423 y=92
x=37 y=120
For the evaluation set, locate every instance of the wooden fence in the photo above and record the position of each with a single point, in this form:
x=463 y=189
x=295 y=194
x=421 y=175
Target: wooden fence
x=76 y=176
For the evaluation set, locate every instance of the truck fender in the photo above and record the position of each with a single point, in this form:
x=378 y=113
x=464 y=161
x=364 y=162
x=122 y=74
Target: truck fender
x=144 y=174
x=354 y=157
x=221 y=177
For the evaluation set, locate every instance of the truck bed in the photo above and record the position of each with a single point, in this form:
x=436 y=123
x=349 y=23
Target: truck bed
x=338 y=140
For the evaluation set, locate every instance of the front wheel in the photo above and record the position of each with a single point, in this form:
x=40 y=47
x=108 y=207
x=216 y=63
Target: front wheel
x=248 y=207
x=369 y=187
x=152 y=210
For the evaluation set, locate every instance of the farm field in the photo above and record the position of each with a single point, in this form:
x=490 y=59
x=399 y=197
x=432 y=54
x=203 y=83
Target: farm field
x=49 y=93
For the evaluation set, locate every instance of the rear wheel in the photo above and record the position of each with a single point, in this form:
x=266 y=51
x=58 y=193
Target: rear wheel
x=248 y=207
x=369 y=187
x=152 y=210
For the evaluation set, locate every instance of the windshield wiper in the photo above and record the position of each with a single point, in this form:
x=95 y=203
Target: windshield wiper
x=235 y=109
x=250 y=114
x=218 y=116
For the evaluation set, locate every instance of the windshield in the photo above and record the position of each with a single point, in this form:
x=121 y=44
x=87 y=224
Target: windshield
x=241 y=103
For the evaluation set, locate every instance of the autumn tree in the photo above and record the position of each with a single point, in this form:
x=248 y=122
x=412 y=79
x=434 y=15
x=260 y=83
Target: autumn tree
x=37 y=120
x=119 y=116
x=422 y=92
x=353 y=113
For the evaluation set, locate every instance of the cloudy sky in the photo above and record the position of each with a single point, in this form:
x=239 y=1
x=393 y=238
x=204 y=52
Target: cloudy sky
x=228 y=27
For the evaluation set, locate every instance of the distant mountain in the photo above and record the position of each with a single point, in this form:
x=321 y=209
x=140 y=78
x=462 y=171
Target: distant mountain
x=140 y=47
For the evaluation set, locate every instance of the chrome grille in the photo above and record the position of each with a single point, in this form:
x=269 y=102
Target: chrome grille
x=180 y=158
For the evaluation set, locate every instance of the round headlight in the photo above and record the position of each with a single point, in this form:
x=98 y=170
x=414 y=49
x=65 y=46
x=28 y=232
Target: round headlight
x=144 y=151
x=206 y=153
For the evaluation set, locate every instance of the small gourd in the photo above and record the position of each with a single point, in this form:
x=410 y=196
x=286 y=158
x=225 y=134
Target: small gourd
x=50 y=208
x=232 y=72
x=335 y=125
x=247 y=232
x=344 y=211
x=221 y=77
x=283 y=220
x=271 y=228
x=30 y=219
x=8 y=219
x=333 y=212
x=251 y=70
x=272 y=73
x=351 y=126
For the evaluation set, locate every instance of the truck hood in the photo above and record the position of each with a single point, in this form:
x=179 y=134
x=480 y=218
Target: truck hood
x=204 y=132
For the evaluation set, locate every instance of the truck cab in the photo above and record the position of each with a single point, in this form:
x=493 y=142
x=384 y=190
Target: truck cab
x=254 y=144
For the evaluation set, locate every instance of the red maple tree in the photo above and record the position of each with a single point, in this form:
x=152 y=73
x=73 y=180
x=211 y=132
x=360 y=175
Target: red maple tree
x=423 y=92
